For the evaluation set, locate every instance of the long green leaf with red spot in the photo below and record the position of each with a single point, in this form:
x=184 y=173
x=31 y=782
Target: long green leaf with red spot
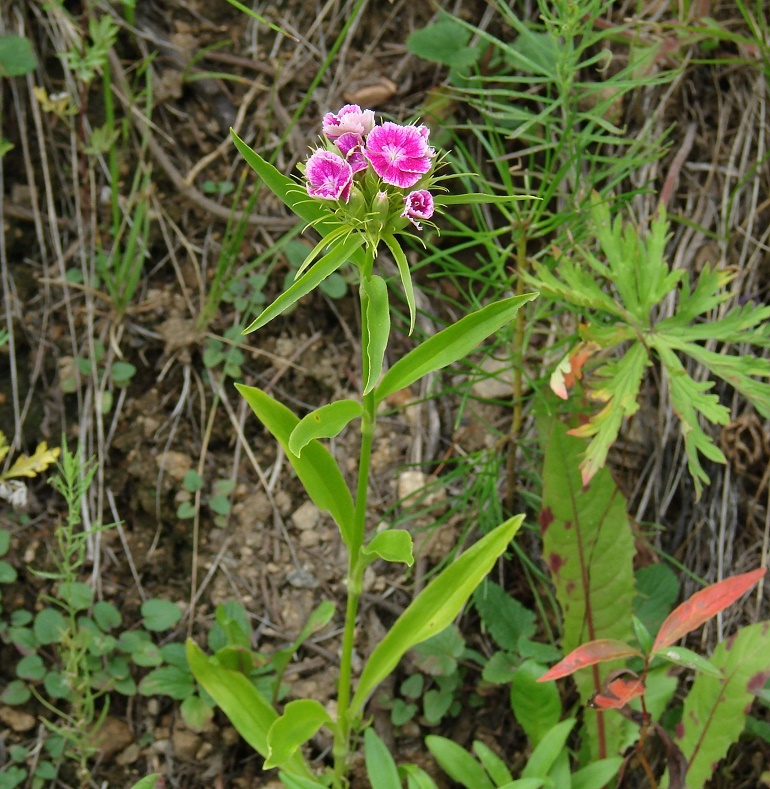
x=702 y=606
x=599 y=651
x=589 y=549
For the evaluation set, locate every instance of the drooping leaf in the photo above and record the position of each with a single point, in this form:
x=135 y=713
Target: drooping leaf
x=392 y=545
x=618 y=691
x=589 y=550
x=337 y=256
x=450 y=344
x=376 y=312
x=715 y=709
x=244 y=705
x=703 y=605
x=599 y=651
x=325 y=422
x=316 y=468
x=301 y=719
x=435 y=607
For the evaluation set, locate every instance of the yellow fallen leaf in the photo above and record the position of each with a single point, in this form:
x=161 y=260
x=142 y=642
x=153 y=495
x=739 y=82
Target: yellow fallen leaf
x=25 y=466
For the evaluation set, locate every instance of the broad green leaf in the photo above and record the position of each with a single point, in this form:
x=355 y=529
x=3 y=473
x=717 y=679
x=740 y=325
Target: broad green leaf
x=172 y=681
x=325 y=422
x=49 y=626
x=317 y=469
x=536 y=705
x=416 y=777
x=77 y=594
x=196 y=713
x=657 y=589
x=380 y=766
x=446 y=42
x=450 y=344
x=597 y=775
x=5 y=538
x=681 y=656
x=505 y=617
x=589 y=549
x=243 y=704
x=376 y=312
x=392 y=545
x=547 y=750
x=149 y=782
x=492 y=763
x=17 y=57
x=438 y=655
x=457 y=763
x=160 y=614
x=301 y=719
x=435 y=607
x=715 y=709
x=406 y=276
x=337 y=256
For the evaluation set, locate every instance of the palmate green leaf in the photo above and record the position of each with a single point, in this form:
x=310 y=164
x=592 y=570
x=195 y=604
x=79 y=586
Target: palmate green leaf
x=589 y=550
x=244 y=705
x=316 y=468
x=337 y=256
x=575 y=285
x=688 y=399
x=715 y=709
x=376 y=313
x=620 y=380
x=435 y=607
x=325 y=422
x=738 y=371
x=450 y=344
x=301 y=719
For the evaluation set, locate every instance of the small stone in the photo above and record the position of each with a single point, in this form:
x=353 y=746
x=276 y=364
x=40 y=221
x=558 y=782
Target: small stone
x=175 y=464
x=497 y=383
x=113 y=736
x=129 y=756
x=230 y=736
x=17 y=719
x=302 y=579
x=186 y=744
x=306 y=516
x=309 y=539
x=409 y=482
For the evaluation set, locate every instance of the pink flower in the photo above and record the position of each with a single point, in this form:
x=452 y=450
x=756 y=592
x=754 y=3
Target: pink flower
x=400 y=155
x=328 y=176
x=418 y=205
x=350 y=146
x=350 y=119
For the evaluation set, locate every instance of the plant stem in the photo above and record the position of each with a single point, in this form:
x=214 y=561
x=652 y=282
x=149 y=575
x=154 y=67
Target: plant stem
x=355 y=579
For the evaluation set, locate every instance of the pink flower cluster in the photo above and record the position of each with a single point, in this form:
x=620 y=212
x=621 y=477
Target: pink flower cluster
x=399 y=155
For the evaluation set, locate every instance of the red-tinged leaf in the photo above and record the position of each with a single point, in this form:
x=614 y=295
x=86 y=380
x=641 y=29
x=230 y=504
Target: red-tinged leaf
x=618 y=692
x=599 y=651
x=570 y=368
x=702 y=606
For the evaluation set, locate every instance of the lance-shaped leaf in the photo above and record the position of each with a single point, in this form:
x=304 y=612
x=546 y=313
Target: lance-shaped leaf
x=243 y=704
x=297 y=782
x=393 y=545
x=435 y=607
x=680 y=656
x=599 y=651
x=589 y=548
x=404 y=273
x=457 y=763
x=316 y=467
x=325 y=422
x=715 y=709
x=450 y=344
x=380 y=765
x=376 y=313
x=337 y=256
x=301 y=719
x=148 y=782
x=703 y=605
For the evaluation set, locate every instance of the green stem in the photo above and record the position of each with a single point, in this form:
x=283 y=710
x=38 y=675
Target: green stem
x=356 y=565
